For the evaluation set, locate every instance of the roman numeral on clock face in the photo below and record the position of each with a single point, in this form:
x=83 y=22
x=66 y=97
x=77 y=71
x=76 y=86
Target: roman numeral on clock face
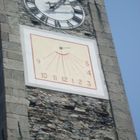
x=30 y=1
x=69 y=24
x=77 y=19
x=78 y=11
x=57 y=24
x=43 y=18
x=30 y=4
x=34 y=10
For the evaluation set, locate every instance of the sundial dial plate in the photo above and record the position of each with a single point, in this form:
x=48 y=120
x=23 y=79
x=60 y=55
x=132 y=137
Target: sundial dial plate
x=62 y=62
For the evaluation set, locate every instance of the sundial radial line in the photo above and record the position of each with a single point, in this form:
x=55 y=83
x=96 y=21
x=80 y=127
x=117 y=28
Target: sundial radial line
x=77 y=62
x=63 y=65
x=46 y=57
x=50 y=63
x=72 y=68
x=67 y=66
x=57 y=64
x=77 y=57
x=76 y=71
x=77 y=68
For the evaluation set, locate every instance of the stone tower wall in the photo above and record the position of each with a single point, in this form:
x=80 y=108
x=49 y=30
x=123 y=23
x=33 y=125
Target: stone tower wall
x=38 y=114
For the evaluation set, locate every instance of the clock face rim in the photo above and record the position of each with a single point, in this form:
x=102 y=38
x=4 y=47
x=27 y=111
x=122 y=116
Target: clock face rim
x=61 y=27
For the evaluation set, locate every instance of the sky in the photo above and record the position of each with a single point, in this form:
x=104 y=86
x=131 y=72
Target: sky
x=124 y=18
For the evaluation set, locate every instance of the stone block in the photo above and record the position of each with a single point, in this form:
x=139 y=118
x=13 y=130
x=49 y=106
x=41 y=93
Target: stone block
x=8 y=91
x=17 y=100
x=13 y=64
x=15 y=92
x=113 y=78
x=14 y=74
x=14 y=30
x=126 y=135
x=14 y=38
x=11 y=6
x=8 y=73
x=103 y=35
x=106 y=47
x=115 y=88
x=109 y=68
x=18 y=75
x=11 y=83
x=5 y=27
x=100 y=2
x=19 y=93
x=16 y=122
x=24 y=124
x=16 y=109
x=115 y=96
x=12 y=55
x=108 y=60
x=13 y=20
x=3 y=18
x=12 y=123
x=1 y=5
x=121 y=105
x=4 y=36
x=13 y=46
x=12 y=138
x=106 y=26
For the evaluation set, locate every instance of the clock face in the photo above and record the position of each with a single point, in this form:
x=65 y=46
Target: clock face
x=64 y=14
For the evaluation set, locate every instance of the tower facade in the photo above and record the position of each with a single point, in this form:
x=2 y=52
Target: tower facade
x=60 y=79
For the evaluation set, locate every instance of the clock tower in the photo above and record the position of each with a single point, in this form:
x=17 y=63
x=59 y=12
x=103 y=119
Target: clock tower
x=60 y=79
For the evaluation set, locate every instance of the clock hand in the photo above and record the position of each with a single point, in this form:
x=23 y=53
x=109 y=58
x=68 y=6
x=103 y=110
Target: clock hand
x=57 y=5
x=50 y=4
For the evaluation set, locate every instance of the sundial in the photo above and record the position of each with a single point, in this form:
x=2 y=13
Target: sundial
x=62 y=62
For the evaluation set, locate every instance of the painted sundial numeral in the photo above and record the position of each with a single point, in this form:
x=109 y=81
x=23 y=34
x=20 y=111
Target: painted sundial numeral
x=64 y=79
x=44 y=75
x=80 y=82
x=89 y=73
x=55 y=77
x=89 y=83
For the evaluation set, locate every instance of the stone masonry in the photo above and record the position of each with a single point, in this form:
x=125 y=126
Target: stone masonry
x=38 y=114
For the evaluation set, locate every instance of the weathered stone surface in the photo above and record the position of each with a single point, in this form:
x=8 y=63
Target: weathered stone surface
x=13 y=64
x=55 y=112
x=3 y=18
